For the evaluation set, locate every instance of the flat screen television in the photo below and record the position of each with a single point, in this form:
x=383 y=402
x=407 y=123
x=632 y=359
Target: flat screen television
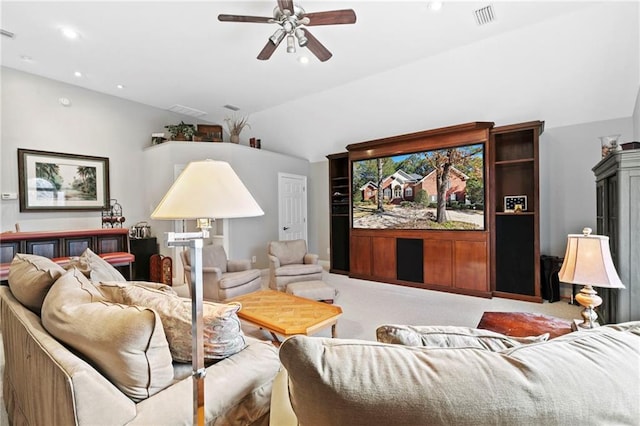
x=440 y=189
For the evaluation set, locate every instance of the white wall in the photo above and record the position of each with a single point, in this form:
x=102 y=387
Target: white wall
x=567 y=184
x=95 y=124
x=258 y=169
x=106 y=126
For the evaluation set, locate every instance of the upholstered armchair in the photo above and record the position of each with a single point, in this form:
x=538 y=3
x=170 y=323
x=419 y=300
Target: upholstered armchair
x=289 y=262
x=222 y=278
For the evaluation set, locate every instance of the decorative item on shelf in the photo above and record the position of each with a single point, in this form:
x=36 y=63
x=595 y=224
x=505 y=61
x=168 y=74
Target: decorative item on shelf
x=140 y=230
x=235 y=125
x=112 y=216
x=515 y=203
x=588 y=262
x=258 y=144
x=630 y=145
x=252 y=142
x=208 y=133
x=157 y=138
x=609 y=144
x=181 y=132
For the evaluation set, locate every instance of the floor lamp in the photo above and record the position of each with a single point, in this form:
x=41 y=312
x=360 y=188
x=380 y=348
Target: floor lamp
x=587 y=261
x=205 y=190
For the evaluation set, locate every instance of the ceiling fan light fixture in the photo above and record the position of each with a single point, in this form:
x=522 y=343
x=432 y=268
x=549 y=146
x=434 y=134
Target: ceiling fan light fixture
x=302 y=38
x=291 y=44
x=277 y=37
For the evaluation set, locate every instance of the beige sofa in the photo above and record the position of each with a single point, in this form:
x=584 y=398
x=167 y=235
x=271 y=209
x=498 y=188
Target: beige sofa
x=471 y=378
x=47 y=383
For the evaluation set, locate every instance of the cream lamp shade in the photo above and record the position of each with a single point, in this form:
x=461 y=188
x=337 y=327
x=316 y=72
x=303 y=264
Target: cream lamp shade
x=207 y=189
x=588 y=262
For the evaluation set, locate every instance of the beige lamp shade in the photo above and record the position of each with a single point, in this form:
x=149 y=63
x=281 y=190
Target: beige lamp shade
x=587 y=261
x=207 y=189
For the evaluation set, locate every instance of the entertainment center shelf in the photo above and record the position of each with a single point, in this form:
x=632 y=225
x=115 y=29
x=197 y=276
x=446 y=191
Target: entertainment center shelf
x=497 y=256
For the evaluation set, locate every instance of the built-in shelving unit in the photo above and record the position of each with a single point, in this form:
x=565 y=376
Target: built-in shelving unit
x=339 y=202
x=515 y=273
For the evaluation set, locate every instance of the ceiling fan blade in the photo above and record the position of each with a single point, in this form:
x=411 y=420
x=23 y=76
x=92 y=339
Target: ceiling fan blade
x=331 y=17
x=240 y=18
x=286 y=4
x=316 y=47
x=268 y=50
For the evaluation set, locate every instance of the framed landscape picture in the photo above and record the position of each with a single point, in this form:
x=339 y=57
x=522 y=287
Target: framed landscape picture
x=51 y=181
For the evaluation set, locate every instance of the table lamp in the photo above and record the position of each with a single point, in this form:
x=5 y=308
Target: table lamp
x=205 y=190
x=587 y=261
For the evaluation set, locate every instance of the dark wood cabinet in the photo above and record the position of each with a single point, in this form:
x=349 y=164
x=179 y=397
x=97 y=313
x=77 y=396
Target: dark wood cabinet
x=438 y=259
x=143 y=249
x=339 y=205
x=500 y=258
x=515 y=245
x=618 y=217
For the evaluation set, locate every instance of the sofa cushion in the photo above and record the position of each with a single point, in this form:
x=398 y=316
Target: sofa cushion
x=222 y=330
x=126 y=343
x=235 y=279
x=451 y=337
x=31 y=277
x=298 y=269
x=98 y=269
x=339 y=381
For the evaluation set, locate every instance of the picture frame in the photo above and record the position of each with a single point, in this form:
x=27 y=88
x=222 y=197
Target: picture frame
x=208 y=133
x=53 y=181
x=515 y=203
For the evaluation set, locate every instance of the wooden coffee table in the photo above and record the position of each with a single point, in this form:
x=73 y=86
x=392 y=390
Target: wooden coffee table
x=284 y=314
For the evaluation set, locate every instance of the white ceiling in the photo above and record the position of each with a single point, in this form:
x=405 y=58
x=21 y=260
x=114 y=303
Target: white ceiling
x=176 y=52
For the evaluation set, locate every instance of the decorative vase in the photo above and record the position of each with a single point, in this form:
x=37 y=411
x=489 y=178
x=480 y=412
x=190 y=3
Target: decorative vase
x=235 y=138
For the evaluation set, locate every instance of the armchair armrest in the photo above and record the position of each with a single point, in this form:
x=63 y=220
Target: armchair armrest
x=274 y=262
x=310 y=259
x=238 y=265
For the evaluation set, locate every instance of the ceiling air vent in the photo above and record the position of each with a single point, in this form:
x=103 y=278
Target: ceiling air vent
x=6 y=33
x=484 y=15
x=184 y=110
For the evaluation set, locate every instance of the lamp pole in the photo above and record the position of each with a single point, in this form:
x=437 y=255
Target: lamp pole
x=194 y=241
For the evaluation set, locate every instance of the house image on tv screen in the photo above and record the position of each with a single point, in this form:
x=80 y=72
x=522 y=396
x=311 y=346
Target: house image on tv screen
x=438 y=189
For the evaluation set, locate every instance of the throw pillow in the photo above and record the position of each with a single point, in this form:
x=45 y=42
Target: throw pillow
x=126 y=343
x=223 y=335
x=451 y=337
x=31 y=277
x=96 y=268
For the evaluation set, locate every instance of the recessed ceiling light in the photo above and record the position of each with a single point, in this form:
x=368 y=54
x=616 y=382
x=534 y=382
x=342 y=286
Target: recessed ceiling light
x=69 y=33
x=303 y=59
x=119 y=86
x=77 y=74
x=434 y=5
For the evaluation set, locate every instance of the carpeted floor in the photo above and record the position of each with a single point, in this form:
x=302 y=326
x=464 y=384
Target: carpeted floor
x=367 y=305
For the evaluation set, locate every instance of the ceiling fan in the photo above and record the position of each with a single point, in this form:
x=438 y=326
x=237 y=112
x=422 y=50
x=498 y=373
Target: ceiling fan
x=292 y=18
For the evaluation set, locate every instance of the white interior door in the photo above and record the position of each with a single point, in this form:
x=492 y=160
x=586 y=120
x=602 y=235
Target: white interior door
x=292 y=207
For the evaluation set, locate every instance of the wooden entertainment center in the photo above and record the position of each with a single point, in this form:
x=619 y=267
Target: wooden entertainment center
x=500 y=258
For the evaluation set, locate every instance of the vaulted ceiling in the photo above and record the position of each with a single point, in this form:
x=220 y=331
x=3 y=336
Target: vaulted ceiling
x=563 y=62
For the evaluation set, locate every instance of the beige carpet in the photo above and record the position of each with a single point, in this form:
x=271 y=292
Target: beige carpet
x=367 y=304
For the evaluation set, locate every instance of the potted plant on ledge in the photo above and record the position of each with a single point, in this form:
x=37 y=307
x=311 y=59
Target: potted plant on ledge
x=235 y=126
x=181 y=132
